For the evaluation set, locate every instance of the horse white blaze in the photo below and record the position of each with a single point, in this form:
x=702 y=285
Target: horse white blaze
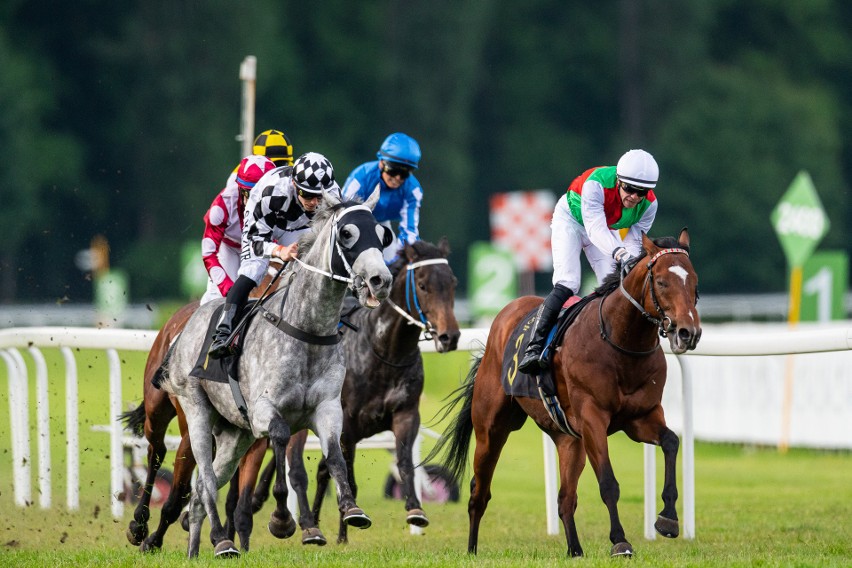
x=679 y=271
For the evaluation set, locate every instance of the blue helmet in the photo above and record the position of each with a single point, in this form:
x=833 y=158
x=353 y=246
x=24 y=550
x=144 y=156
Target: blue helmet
x=401 y=149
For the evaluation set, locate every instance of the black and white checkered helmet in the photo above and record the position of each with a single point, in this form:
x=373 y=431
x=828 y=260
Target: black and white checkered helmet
x=312 y=173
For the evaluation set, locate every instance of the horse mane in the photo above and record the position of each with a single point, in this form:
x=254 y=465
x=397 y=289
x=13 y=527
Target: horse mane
x=613 y=279
x=423 y=250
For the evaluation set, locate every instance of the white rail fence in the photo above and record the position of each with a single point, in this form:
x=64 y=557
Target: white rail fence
x=740 y=385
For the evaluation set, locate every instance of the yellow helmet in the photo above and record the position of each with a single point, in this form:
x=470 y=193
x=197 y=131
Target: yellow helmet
x=275 y=145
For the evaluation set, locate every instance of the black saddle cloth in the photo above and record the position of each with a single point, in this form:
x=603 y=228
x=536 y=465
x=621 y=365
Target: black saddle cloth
x=516 y=383
x=217 y=370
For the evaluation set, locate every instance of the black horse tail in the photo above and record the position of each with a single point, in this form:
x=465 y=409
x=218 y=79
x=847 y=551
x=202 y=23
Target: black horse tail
x=134 y=420
x=460 y=428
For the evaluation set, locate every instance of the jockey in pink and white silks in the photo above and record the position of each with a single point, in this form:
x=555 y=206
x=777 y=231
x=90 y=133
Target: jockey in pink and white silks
x=278 y=211
x=223 y=226
x=223 y=222
x=589 y=217
x=400 y=193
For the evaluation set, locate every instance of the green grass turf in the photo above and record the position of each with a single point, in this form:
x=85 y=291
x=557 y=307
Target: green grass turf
x=754 y=506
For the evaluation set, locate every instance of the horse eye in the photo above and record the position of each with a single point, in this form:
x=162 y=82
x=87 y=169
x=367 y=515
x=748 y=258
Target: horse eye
x=346 y=234
x=422 y=286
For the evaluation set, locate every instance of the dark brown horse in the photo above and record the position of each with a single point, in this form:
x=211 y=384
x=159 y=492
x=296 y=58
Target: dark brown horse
x=609 y=372
x=384 y=367
x=152 y=418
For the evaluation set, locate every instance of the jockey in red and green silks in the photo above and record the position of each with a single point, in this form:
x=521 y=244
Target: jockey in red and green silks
x=589 y=217
x=603 y=214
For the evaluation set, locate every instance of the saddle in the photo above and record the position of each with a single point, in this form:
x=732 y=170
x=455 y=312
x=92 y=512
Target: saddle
x=542 y=386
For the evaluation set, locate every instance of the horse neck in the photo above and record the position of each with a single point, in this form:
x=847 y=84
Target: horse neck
x=314 y=300
x=625 y=323
x=395 y=335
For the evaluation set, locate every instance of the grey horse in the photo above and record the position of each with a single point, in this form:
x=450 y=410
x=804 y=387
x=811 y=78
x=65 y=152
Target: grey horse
x=291 y=369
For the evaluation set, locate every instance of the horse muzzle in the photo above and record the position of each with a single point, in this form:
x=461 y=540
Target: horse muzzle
x=684 y=339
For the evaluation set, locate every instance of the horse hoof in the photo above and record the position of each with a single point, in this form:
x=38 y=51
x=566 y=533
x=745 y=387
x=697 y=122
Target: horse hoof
x=622 y=549
x=146 y=546
x=357 y=518
x=313 y=536
x=226 y=549
x=184 y=521
x=136 y=533
x=281 y=528
x=669 y=528
x=417 y=518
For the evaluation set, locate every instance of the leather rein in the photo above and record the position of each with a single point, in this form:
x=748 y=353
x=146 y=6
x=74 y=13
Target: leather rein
x=663 y=323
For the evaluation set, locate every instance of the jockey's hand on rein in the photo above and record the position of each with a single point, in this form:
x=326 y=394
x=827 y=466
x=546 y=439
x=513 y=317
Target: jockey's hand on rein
x=623 y=259
x=286 y=253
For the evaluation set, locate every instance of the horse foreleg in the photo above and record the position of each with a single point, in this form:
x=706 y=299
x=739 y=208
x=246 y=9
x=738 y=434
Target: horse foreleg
x=311 y=533
x=667 y=523
x=328 y=421
x=597 y=449
x=405 y=428
x=281 y=523
x=347 y=447
x=572 y=461
x=652 y=430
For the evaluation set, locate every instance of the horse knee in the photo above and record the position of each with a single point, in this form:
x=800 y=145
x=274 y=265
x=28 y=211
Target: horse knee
x=669 y=441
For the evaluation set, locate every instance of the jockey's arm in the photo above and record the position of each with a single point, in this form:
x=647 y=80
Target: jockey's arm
x=214 y=234
x=594 y=219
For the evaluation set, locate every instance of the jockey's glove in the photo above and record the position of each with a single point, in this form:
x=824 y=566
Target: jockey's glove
x=624 y=259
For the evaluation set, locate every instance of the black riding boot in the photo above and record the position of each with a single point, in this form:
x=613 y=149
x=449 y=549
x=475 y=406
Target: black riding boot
x=533 y=363
x=234 y=302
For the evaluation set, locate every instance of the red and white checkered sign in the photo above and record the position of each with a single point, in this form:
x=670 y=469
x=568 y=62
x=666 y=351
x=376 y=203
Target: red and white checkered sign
x=520 y=222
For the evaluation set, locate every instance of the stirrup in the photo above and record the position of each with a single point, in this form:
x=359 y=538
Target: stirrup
x=220 y=348
x=532 y=364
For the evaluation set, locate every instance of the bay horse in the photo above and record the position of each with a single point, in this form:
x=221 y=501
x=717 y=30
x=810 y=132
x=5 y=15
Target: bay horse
x=291 y=368
x=609 y=375
x=152 y=418
x=384 y=366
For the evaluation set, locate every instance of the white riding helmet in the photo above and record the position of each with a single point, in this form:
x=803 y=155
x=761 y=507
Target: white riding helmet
x=638 y=168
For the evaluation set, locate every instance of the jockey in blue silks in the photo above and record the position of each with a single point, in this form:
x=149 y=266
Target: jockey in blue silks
x=400 y=192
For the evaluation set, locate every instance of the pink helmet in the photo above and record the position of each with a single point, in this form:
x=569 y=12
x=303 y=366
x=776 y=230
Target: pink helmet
x=251 y=169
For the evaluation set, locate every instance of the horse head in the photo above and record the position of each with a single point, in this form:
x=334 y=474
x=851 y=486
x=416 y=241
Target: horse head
x=429 y=291
x=358 y=241
x=672 y=286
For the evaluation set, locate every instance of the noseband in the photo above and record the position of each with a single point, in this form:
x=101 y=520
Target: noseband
x=411 y=299
x=663 y=323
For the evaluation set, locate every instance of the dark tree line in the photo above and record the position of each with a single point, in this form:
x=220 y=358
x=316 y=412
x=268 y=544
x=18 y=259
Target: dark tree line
x=120 y=118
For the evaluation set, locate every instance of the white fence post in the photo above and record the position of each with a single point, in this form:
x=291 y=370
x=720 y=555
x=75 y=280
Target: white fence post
x=72 y=429
x=42 y=429
x=116 y=449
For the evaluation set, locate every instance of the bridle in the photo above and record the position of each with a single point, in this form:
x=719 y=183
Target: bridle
x=412 y=300
x=663 y=323
x=355 y=281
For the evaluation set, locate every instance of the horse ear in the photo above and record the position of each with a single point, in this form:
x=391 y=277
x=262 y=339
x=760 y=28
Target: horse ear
x=330 y=197
x=648 y=244
x=373 y=199
x=683 y=238
x=410 y=253
x=444 y=247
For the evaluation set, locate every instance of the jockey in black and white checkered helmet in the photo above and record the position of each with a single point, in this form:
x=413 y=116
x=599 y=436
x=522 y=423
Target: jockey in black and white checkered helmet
x=312 y=173
x=279 y=210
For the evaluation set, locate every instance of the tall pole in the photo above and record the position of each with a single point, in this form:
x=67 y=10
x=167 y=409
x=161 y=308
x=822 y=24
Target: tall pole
x=248 y=75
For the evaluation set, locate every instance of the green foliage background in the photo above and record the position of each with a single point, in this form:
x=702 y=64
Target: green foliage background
x=119 y=118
